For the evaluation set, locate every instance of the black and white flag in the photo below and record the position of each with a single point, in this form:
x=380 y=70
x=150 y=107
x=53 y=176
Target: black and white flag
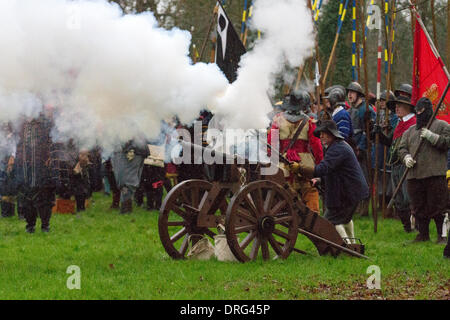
x=229 y=48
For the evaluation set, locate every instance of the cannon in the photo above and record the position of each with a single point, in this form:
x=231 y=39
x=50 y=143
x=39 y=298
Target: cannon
x=261 y=214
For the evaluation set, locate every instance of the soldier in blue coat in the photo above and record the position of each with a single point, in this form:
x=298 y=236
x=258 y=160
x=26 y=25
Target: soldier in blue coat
x=341 y=177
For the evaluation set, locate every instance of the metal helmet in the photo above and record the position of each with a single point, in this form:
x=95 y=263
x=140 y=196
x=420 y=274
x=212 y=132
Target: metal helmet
x=356 y=87
x=336 y=95
x=384 y=94
x=404 y=90
x=298 y=100
x=328 y=90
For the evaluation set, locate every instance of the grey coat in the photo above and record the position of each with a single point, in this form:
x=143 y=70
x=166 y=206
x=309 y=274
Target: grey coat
x=128 y=173
x=432 y=159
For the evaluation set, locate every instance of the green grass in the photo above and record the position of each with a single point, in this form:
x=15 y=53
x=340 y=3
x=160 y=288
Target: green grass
x=121 y=257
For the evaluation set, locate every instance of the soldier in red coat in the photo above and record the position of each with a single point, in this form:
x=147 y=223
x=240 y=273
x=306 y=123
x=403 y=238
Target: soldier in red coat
x=298 y=144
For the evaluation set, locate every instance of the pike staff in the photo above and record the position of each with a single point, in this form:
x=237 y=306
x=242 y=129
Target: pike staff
x=341 y=22
x=244 y=20
x=367 y=120
x=377 y=136
x=213 y=20
x=354 y=73
x=389 y=57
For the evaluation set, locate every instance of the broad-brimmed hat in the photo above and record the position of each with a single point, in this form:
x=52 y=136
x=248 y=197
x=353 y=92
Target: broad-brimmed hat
x=401 y=99
x=330 y=127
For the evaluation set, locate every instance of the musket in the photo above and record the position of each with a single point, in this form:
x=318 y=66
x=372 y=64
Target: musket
x=287 y=162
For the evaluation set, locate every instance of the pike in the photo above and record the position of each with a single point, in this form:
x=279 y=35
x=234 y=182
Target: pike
x=341 y=22
x=389 y=59
x=377 y=137
x=211 y=24
x=367 y=119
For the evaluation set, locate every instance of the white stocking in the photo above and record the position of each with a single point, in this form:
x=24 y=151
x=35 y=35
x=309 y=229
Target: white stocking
x=341 y=230
x=350 y=231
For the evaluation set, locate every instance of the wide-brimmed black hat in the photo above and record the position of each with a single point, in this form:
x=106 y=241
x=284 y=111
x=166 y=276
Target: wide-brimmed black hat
x=330 y=127
x=400 y=99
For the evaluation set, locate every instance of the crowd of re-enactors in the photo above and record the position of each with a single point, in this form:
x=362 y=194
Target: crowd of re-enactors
x=326 y=147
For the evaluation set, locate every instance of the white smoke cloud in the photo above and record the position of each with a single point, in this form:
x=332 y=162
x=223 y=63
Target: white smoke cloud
x=114 y=77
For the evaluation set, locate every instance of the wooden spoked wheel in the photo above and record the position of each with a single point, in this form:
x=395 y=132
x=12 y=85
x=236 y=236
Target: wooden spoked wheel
x=260 y=218
x=177 y=221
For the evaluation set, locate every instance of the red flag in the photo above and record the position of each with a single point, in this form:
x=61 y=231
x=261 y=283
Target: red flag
x=429 y=78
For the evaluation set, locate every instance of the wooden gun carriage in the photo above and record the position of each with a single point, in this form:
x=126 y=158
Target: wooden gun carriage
x=261 y=215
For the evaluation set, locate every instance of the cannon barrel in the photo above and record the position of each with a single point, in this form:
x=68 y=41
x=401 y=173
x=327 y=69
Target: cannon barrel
x=226 y=158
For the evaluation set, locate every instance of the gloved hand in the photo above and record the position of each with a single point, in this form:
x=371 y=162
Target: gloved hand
x=375 y=130
x=315 y=182
x=294 y=167
x=409 y=161
x=305 y=171
x=298 y=167
x=430 y=136
x=77 y=169
x=130 y=155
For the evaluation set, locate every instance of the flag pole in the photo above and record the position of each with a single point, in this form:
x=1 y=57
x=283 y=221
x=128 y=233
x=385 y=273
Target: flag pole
x=430 y=41
x=433 y=19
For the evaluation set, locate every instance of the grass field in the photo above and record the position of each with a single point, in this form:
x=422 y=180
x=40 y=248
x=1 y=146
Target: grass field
x=121 y=257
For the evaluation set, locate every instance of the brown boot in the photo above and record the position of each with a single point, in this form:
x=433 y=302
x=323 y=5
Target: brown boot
x=127 y=207
x=441 y=240
x=421 y=238
x=405 y=217
x=439 y=221
x=424 y=230
x=116 y=200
